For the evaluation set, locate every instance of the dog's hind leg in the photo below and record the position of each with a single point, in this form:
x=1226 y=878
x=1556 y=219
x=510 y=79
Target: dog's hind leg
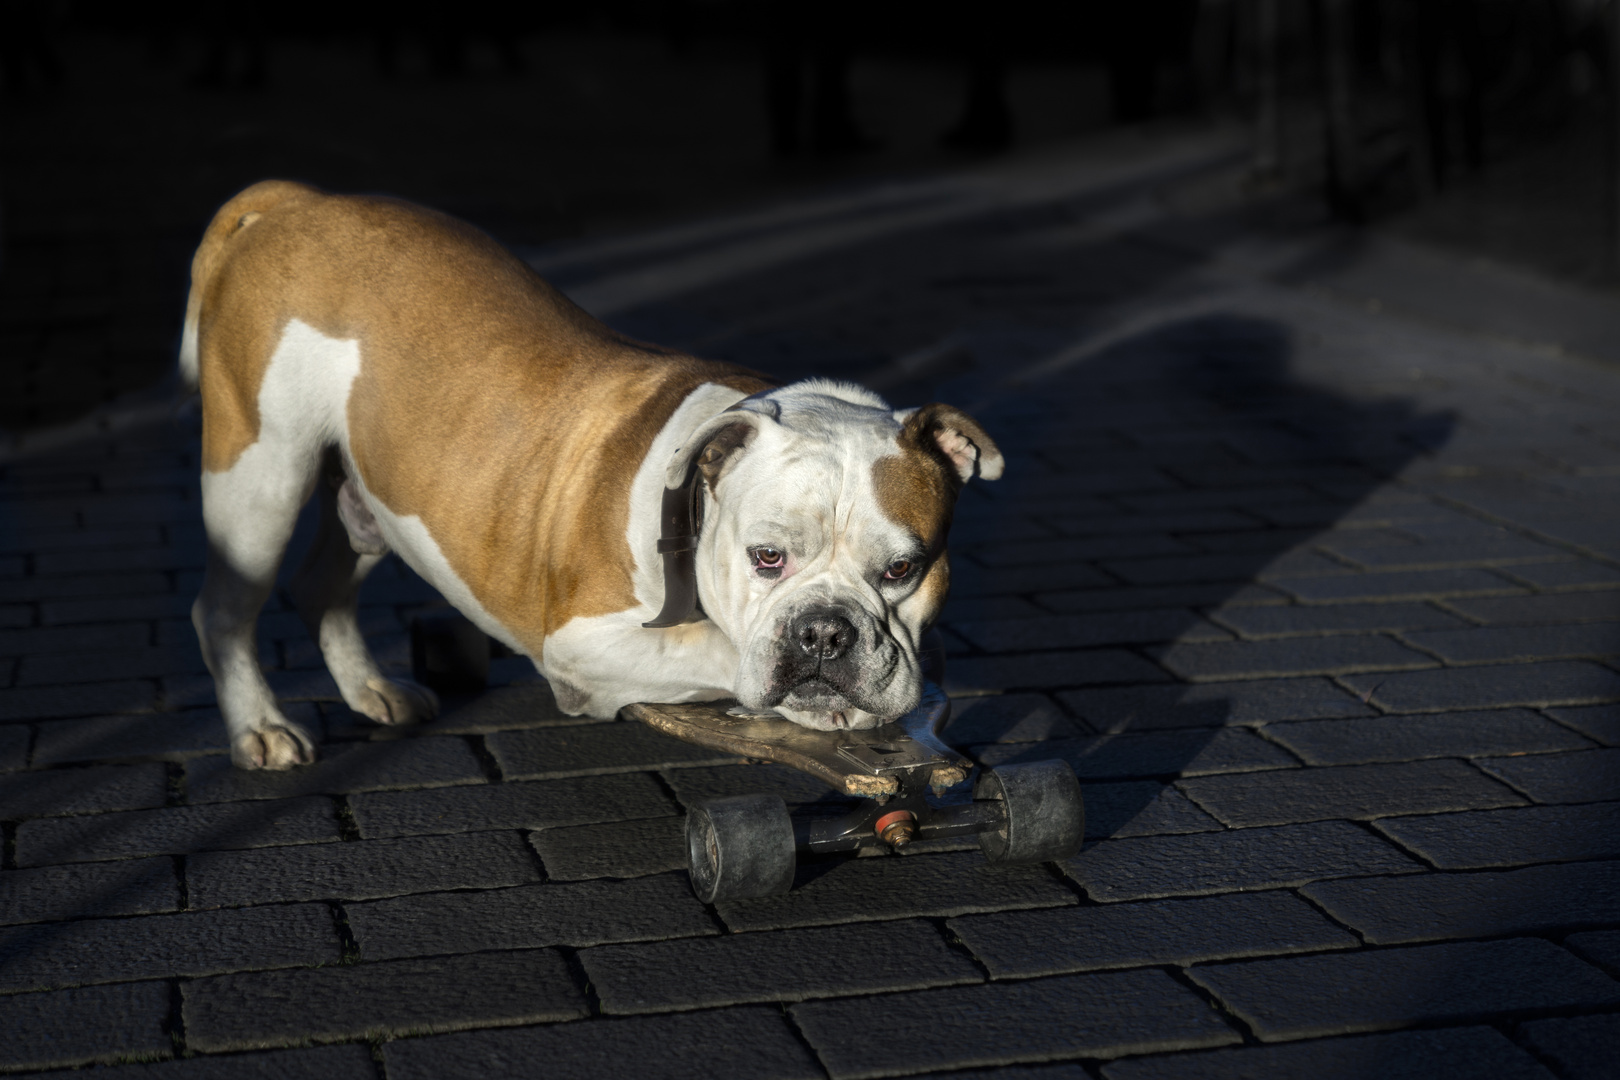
x=249 y=511
x=326 y=591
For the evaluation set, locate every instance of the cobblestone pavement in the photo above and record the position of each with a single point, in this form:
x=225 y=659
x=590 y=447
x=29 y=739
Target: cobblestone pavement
x=1314 y=585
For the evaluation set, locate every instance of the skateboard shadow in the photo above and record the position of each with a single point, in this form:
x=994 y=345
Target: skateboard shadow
x=1170 y=494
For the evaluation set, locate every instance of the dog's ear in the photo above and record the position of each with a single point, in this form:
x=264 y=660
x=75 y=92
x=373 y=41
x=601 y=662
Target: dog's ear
x=718 y=440
x=956 y=436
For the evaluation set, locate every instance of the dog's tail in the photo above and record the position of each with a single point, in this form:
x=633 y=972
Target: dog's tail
x=236 y=215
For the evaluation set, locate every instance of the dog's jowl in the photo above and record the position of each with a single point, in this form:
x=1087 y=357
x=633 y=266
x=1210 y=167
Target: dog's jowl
x=561 y=484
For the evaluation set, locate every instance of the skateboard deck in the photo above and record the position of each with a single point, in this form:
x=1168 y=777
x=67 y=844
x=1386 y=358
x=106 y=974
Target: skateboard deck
x=869 y=763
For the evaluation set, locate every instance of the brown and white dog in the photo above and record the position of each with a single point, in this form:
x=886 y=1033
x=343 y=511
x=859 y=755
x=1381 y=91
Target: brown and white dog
x=532 y=464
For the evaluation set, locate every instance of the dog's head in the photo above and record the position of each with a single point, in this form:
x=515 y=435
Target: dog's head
x=822 y=553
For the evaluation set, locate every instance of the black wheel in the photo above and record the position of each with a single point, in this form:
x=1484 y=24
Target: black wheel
x=740 y=848
x=448 y=653
x=1045 y=815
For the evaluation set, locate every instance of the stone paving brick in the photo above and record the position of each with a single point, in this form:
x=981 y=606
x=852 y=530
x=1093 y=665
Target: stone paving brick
x=1025 y=944
x=166 y=736
x=1347 y=791
x=1240 y=860
x=790 y=965
x=968 y=608
x=500 y=708
x=1503 y=550
x=750 y=1043
x=14 y=739
x=263 y=1009
x=1134 y=708
x=1141 y=808
x=619 y=849
x=350 y=1062
x=197 y=691
x=175 y=830
x=1218 y=498
x=693 y=786
x=75 y=1027
x=1559 y=682
x=1103 y=524
x=1600 y=722
x=408 y=763
x=1225 y=594
x=1397 y=585
x=79 y=791
x=1434 y=907
x=1136 y=545
x=1103 y=1015
x=580 y=914
x=1570 y=574
x=18 y=590
x=1063 y=1071
x=1193 y=752
x=1259 y=623
x=107 y=560
x=47 y=702
x=360 y=870
x=592 y=749
x=1584 y=776
x=1187 y=568
x=1039 y=671
x=75 y=640
x=1470 y=1053
x=1530 y=610
x=1582 y=1047
x=1413 y=736
x=1336 y=994
x=1290 y=656
x=536 y=805
x=1084 y=631
x=129 y=887
x=1484 y=645
x=1601 y=947
x=1512 y=837
x=859 y=890
x=46 y=956
x=970 y=580
x=1007 y=718
x=116 y=609
x=108 y=666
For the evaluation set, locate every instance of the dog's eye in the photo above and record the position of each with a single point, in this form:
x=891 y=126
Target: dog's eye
x=768 y=558
x=898 y=570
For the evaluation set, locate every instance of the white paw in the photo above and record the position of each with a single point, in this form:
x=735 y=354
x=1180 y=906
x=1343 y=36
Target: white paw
x=396 y=701
x=273 y=746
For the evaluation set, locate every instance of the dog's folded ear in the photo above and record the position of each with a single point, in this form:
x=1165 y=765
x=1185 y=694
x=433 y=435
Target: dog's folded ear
x=955 y=435
x=718 y=440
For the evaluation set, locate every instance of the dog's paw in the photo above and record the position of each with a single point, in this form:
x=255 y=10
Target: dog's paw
x=396 y=701
x=272 y=746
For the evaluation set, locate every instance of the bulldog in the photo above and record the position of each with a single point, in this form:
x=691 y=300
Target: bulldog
x=643 y=524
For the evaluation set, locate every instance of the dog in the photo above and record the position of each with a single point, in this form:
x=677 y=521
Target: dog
x=643 y=524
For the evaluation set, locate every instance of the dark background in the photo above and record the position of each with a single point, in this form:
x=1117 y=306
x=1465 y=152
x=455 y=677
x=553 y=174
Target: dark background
x=1481 y=125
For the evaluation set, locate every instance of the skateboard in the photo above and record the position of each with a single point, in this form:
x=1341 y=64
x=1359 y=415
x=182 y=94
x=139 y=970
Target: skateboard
x=747 y=846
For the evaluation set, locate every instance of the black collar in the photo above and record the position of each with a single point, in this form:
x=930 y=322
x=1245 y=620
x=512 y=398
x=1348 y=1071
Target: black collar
x=679 y=525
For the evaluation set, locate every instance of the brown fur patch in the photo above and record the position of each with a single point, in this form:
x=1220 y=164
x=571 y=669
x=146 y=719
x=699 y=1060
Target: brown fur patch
x=916 y=489
x=487 y=404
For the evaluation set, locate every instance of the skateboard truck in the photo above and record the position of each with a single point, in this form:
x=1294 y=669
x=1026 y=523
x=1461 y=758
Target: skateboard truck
x=747 y=846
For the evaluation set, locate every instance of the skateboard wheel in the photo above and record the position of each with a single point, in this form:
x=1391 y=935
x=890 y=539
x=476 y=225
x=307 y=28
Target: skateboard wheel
x=1045 y=816
x=740 y=848
x=448 y=652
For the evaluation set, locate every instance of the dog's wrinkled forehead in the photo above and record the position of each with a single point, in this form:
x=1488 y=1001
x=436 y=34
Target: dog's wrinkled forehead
x=842 y=455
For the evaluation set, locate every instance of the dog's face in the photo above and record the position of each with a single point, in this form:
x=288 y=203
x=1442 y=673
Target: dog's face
x=823 y=547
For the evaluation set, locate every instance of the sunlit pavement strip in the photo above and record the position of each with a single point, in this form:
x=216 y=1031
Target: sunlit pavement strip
x=1313 y=575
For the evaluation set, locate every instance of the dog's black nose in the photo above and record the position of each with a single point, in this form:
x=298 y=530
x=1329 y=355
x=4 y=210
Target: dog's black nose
x=824 y=635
